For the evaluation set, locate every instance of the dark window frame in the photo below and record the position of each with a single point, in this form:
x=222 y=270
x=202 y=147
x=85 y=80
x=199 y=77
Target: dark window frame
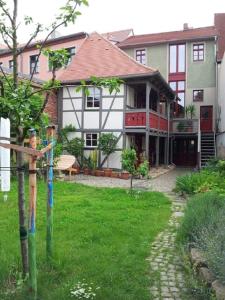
x=11 y=64
x=92 y=142
x=197 y=98
x=140 y=56
x=72 y=52
x=198 y=52
x=33 y=59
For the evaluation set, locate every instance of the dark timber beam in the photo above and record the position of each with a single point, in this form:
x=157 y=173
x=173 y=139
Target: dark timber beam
x=148 y=90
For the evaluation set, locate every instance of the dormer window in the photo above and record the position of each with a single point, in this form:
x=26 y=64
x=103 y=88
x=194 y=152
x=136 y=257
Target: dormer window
x=141 y=56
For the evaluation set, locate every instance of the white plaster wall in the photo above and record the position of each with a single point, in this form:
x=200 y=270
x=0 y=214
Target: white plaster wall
x=69 y=118
x=114 y=121
x=221 y=95
x=91 y=119
x=114 y=160
x=105 y=91
x=118 y=103
x=70 y=91
x=70 y=105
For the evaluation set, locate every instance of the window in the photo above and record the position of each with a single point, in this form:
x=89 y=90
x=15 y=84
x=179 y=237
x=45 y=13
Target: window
x=179 y=88
x=10 y=64
x=72 y=52
x=34 y=68
x=198 y=52
x=93 y=98
x=141 y=56
x=177 y=58
x=198 y=95
x=91 y=139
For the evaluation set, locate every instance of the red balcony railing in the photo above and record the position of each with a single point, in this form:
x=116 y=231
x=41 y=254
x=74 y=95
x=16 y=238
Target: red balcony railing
x=138 y=119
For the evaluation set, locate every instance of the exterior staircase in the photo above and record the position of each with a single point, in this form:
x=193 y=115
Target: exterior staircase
x=208 y=150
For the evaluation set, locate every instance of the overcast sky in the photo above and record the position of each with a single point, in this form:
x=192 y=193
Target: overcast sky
x=144 y=16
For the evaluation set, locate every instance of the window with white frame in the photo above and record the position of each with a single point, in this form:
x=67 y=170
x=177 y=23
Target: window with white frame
x=141 y=56
x=198 y=52
x=93 y=98
x=91 y=139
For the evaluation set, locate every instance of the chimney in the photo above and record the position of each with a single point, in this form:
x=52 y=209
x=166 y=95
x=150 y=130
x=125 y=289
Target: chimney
x=185 y=26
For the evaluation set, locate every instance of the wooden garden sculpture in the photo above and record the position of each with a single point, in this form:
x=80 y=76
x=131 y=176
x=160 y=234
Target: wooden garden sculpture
x=34 y=154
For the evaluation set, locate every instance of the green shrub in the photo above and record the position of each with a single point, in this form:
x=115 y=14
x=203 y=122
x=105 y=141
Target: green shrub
x=200 y=182
x=143 y=169
x=212 y=242
x=202 y=211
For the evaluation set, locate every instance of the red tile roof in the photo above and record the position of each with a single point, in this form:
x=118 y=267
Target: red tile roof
x=219 y=21
x=99 y=57
x=172 y=36
x=118 y=36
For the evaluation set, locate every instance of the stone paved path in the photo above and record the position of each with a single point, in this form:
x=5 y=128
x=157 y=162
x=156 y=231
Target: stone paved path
x=167 y=280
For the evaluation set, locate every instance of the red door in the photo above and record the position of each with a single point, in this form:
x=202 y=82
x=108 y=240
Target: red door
x=206 y=118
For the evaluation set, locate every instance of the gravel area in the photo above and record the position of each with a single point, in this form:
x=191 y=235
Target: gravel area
x=163 y=183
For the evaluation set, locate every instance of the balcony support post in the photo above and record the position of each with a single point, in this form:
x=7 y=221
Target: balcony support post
x=148 y=90
x=157 y=152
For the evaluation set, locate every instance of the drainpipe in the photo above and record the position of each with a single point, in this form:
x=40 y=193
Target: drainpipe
x=168 y=132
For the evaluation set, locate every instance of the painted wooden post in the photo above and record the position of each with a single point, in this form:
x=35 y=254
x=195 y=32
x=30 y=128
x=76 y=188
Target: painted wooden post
x=32 y=219
x=49 y=246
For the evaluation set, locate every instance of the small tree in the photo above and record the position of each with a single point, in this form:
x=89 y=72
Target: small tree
x=107 y=144
x=129 y=159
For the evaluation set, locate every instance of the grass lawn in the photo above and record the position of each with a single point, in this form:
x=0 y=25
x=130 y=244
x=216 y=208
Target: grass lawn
x=101 y=235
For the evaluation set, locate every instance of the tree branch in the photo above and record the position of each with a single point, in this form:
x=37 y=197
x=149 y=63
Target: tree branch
x=2 y=6
x=45 y=40
x=31 y=39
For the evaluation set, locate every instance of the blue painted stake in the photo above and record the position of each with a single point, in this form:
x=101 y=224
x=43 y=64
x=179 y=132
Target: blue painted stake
x=49 y=237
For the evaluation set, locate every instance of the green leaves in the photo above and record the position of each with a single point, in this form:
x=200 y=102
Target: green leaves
x=107 y=143
x=20 y=108
x=57 y=58
x=129 y=159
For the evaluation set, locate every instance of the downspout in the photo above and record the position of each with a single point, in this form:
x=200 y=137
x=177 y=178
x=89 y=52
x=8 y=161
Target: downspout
x=168 y=132
x=217 y=95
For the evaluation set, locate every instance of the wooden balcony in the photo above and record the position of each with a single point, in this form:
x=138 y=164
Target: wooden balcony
x=184 y=126
x=138 y=120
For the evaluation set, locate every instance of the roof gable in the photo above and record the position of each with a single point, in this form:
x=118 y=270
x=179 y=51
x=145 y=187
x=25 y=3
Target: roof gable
x=99 y=57
x=172 y=36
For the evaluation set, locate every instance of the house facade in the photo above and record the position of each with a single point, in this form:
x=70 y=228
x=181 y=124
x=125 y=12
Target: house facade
x=190 y=61
x=138 y=114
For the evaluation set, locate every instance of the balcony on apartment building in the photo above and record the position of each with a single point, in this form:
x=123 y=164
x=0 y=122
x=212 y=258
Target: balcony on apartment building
x=139 y=116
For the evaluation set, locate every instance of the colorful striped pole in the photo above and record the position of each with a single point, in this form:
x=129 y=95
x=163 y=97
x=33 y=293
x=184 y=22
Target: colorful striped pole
x=49 y=246
x=32 y=219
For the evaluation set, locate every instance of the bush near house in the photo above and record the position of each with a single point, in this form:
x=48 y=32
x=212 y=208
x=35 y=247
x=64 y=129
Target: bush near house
x=211 y=178
x=203 y=226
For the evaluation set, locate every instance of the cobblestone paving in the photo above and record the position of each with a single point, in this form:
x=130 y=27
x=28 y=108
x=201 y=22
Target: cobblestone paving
x=167 y=280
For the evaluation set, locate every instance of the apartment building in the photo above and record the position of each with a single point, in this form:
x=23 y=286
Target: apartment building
x=189 y=60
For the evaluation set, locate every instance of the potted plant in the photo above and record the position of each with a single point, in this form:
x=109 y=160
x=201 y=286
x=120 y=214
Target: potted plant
x=94 y=161
x=192 y=110
x=107 y=144
x=181 y=126
x=87 y=165
x=143 y=169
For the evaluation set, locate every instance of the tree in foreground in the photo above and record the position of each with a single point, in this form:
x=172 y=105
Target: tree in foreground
x=19 y=101
x=107 y=144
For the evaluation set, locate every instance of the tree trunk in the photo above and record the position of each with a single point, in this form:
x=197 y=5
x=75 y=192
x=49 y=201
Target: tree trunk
x=22 y=211
x=131 y=182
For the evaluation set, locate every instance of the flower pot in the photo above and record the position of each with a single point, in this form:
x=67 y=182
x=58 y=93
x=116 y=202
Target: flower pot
x=115 y=175
x=93 y=172
x=124 y=175
x=86 y=171
x=99 y=173
x=108 y=172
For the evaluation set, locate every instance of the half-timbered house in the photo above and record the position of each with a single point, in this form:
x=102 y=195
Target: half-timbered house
x=138 y=115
